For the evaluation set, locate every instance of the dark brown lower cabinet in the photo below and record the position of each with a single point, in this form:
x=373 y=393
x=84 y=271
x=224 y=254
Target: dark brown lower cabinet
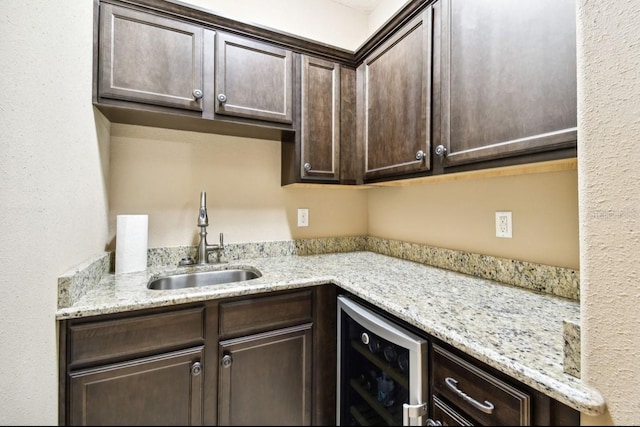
x=466 y=392
x=265 y=379
x=159 y=390
x=147 y=367
x=264 y=359
x=267 y=359
x=277 y=358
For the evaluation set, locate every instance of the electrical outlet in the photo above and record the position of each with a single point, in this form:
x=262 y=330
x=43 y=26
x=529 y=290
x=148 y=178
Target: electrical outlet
x=504 y=227
x=303 y=217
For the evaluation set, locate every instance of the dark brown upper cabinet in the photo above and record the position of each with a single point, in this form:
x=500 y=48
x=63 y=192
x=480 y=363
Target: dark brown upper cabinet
x=320 y=121
x=395 y=94
x=151 y=59
x=445 y=86
x=313 y=152
x=253 y=79
x=504 y=80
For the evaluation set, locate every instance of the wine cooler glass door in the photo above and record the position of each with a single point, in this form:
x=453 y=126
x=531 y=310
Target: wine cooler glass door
x=381 y=367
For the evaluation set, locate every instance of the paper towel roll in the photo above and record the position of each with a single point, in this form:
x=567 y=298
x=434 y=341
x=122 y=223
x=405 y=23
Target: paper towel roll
x=131 y=243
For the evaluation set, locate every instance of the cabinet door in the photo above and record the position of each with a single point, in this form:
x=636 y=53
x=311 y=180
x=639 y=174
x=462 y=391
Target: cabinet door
x=506 y=78
x=395 y=91
x=253 y=79
x=320 y=124
x=160 y=390
x=150 y=59
x=265 y=379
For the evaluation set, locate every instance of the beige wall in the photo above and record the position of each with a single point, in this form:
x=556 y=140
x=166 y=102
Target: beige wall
x=609 y=186
x=53 y=196
x=161 y=173
x=461 y=215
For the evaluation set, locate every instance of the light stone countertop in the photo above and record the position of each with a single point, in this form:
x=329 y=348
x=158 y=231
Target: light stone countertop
x=515 y=330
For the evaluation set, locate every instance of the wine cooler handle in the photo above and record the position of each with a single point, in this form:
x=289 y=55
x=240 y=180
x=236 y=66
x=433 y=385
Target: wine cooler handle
x=412 y=411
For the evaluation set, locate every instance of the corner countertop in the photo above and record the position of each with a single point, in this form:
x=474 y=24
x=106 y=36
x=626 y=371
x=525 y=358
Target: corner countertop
x=515 y=330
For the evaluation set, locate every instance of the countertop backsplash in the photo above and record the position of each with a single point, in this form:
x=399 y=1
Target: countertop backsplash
x=558 y=281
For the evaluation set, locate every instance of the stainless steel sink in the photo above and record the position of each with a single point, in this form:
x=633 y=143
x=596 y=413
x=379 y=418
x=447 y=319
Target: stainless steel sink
x=202 y=278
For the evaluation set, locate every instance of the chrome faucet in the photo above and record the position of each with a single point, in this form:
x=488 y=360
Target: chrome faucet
x=204 y=248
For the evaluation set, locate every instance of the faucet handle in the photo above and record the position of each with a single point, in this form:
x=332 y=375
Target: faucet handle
x=186 y=261
x=221 y=241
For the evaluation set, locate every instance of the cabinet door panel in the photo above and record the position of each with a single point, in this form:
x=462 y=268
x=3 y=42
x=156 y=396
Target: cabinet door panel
x=160 y=390
x=508 y=78
x=320 y=119
x=253 y=79
x=267 y=380
x=150 y=59
x=397 y=102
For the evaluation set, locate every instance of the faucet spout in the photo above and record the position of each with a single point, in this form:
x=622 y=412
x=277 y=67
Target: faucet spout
x=203 y=247
x=203 y=219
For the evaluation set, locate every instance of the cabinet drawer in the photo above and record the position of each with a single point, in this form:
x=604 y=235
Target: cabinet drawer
x=265 y=313
x=446 y=415
x=477 y=393
x=121 y=338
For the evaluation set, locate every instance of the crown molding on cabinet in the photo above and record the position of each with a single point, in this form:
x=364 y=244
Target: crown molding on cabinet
x=207 y=18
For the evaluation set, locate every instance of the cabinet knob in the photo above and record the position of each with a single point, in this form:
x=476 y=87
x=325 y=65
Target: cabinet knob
x=196 y=369
x=222 y=98
x=197 y=94
x=226 y=361
x=307 y=166
x=420 y=155
x=441 y=151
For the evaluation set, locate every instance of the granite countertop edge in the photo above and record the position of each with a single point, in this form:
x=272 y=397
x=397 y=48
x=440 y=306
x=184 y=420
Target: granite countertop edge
x=423 y=296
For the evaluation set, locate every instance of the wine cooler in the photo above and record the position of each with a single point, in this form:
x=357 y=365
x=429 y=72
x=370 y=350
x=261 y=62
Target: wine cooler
x=382 y=370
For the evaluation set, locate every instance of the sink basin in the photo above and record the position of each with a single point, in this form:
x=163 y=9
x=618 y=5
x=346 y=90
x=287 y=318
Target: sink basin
x=202 y=278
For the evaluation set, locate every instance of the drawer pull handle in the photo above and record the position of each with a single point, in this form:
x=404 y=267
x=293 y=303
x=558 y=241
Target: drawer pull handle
x=486 y=407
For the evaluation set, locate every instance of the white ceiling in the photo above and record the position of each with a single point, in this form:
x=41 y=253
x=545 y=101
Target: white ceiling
x=363 y=5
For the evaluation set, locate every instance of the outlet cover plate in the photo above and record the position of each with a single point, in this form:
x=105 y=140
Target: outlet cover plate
x=303 y=217
x=504 y=224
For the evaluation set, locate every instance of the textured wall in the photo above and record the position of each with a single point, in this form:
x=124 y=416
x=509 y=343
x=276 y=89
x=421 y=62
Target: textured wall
x=609 y=188
x=53 y=198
